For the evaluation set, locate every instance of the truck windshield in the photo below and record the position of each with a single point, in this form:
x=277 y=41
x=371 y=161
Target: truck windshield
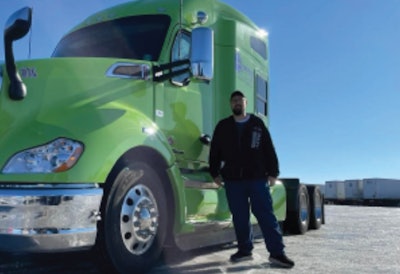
x=136 y=37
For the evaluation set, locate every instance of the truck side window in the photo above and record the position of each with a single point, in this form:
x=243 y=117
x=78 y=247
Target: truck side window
x=181 y=51
x=261 y=95
x=259 y=46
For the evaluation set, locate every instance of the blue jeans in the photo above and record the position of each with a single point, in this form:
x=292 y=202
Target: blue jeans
x=254 y=194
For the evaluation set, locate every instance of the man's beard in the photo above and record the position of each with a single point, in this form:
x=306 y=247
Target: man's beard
x=237 y=111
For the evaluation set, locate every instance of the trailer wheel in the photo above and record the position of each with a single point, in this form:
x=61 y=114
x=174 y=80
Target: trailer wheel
x=316 y=204
x=133 y=230
x=298 y=219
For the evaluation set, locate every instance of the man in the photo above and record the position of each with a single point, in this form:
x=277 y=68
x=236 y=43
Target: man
x=242 y=156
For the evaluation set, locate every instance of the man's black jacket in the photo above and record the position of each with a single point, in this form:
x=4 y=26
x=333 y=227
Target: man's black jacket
x=251 y=157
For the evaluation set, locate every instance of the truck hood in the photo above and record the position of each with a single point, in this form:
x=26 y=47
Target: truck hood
x=66 y=97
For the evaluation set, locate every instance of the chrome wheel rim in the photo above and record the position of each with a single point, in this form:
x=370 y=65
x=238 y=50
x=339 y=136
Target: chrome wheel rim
x=303 y=209
x=139 y=219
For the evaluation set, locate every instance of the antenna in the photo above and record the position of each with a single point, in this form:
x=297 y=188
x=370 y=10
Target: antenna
x=180 y=14
x=30 y=45
x=180 y=27
x=30 y=40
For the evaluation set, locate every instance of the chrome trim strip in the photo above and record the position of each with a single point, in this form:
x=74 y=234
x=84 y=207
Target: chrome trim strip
x=201 y=184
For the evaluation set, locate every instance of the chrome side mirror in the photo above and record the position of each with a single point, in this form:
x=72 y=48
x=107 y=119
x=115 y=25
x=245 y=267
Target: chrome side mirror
x=202 y=53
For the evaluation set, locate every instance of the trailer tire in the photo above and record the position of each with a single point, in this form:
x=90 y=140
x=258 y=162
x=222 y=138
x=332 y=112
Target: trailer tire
x=299 y=218
x=316 y=207
x=133 y=229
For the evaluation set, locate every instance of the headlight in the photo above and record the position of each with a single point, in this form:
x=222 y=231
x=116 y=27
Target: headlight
x=58 y=155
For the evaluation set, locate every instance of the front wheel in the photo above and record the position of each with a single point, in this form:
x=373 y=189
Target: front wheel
x=134 y=219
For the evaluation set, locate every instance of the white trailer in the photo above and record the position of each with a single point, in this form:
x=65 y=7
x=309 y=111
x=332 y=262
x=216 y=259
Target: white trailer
x=334 y=191
x=378 y=191
x=353 y=190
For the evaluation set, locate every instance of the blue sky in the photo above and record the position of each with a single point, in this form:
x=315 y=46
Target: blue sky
x=334 y=85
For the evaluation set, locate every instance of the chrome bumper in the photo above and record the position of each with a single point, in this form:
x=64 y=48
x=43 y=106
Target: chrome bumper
x=41 y=218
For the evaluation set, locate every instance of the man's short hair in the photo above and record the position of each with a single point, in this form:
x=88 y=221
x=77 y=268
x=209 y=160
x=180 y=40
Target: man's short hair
x=237 y=93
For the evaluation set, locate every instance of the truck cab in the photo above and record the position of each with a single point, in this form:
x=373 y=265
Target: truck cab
x=106 y=143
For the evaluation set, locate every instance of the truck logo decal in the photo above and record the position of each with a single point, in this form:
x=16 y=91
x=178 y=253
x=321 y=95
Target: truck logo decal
x=27 y=72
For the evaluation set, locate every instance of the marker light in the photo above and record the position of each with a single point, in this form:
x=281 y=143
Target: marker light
x=148 y=130
x=57 y=156
x=202 y=17
x=262 y=33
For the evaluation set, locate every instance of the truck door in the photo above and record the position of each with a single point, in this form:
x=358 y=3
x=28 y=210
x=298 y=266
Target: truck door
x=183 y=112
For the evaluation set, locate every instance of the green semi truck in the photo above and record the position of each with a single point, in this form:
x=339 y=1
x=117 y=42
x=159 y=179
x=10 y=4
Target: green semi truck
x=105 y=144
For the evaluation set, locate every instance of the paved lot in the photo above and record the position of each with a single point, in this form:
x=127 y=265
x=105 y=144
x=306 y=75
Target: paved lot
x=353 y=240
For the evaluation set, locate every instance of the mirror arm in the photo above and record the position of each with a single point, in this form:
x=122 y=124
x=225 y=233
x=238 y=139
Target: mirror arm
x=17 y=88
x=159 y=74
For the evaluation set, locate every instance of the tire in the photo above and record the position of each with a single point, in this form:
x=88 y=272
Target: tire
x=133 y=229
x=316 y=207
x=299 y=218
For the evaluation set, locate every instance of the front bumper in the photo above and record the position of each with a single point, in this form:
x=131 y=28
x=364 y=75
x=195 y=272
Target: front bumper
x=47 y=217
